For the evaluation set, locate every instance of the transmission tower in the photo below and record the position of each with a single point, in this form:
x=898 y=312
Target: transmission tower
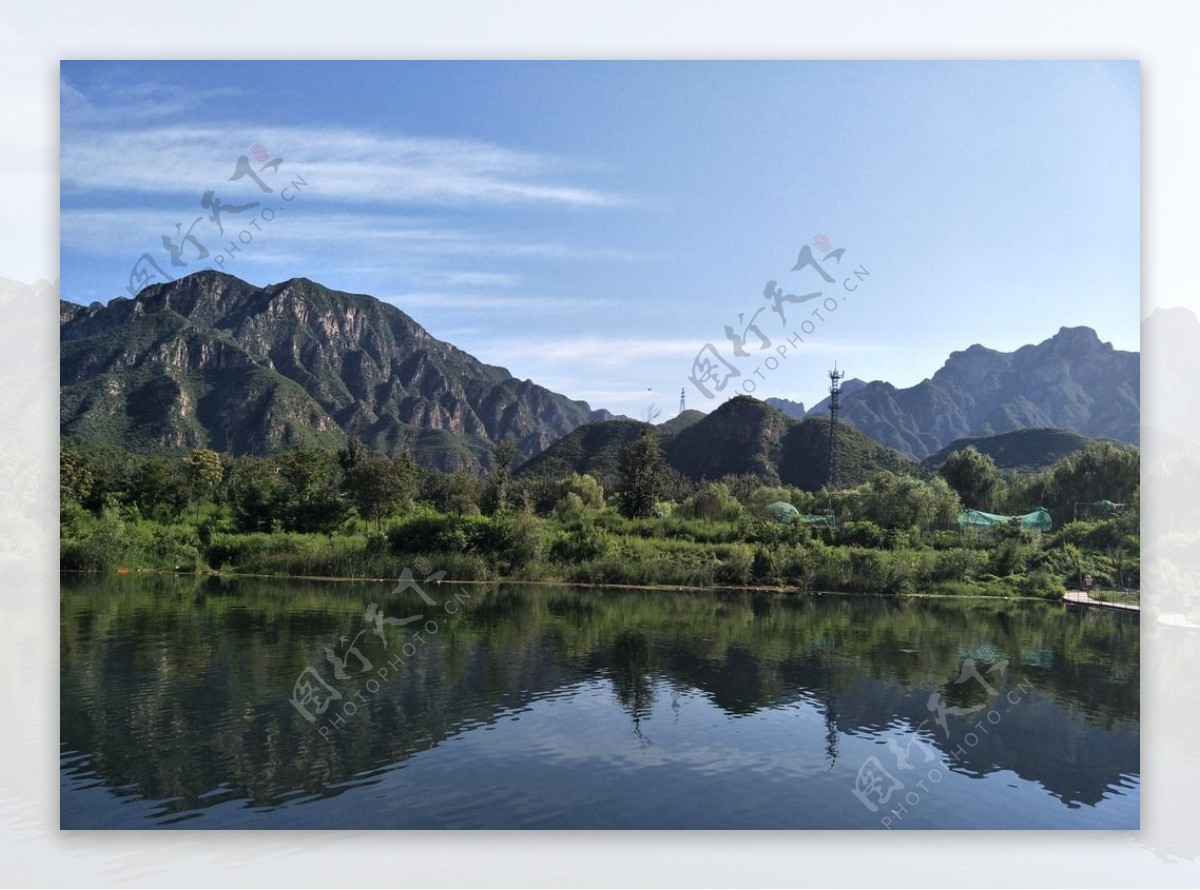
x=682 y=407
x=835 y=390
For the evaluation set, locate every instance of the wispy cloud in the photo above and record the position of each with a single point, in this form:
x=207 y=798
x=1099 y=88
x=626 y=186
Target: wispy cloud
x=453 y=278
x=594 y=351
x=494 y=302
x=139 y=102
x=357 y=238
x=347 y=165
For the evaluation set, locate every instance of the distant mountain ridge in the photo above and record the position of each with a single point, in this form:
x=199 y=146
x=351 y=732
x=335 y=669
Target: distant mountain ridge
x=1072 y=381
x=1019 y=449
x=741 y=436
x=212 y=361
x=794 y=410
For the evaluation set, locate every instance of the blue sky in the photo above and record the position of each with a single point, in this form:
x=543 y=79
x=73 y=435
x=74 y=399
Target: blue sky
x=593 y=225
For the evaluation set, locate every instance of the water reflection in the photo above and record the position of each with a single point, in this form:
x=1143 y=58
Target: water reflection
x=607 y=708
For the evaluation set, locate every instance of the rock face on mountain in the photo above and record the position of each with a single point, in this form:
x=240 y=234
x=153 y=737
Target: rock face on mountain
x=1071 y=381
x=794 y=410
x=211 y=361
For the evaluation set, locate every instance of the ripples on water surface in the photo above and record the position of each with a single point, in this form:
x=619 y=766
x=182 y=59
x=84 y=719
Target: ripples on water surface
x=539 y=707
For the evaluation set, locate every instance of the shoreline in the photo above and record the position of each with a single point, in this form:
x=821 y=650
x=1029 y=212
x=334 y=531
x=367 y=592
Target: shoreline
x=794 y=591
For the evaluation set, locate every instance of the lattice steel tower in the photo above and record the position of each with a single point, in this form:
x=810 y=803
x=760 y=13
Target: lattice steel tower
x=681 y=404
x=835 y=390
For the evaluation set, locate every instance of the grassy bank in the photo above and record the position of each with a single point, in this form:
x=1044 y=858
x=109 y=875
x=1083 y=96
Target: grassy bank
x=607 y=549
x=351 y=514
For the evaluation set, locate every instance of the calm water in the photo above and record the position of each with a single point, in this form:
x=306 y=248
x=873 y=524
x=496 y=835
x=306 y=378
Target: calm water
x=540 y=707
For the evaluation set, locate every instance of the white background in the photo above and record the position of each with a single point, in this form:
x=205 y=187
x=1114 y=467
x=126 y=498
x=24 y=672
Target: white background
x=34 y=37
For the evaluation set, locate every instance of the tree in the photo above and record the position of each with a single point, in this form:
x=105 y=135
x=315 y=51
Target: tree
x=313 y=497
x=204 y=472
x=379 y=485
x=256 y=494
x=74 y=473
x=974 y=476
x=1102 y=471
x=503 y=457
x=353 y=453
x=586 y=487
x=159 y=489
x=456 y=492
x=904 y=502
x=642 y=476
x=713 y=502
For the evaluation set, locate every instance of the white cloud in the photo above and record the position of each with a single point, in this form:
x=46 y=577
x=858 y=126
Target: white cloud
x=343 y=165
x=595 y=351
x=471 y=279
x=141 y=102
x=102 y=231
x=496 y=302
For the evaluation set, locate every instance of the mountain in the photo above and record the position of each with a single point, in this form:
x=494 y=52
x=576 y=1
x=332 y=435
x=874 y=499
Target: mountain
x=1018 y=450
x=743 y=435
x=594 y=449
x=821 y=409
x=794 y=410
x=211 y=361
x=1071 y=381
x=680 y=421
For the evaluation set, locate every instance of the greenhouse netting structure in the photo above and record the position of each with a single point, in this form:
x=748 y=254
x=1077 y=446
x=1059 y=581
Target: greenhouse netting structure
x=1037 y=521
x=782 y=511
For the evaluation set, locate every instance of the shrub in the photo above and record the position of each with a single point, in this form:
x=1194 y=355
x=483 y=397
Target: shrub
x=737 y=561
x=959 y=564
x=1043 y=583
x=713 y=502
x=177 y=548
x=105 y=546
x=862 y=533
x=582 y=541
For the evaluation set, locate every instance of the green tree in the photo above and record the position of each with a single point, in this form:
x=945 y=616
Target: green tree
x=74 y=473
x=584 y=486
x=456 y=492
x=641 y=476
x=380 y=485
x=256 y=494
x=498 y=497
x=313 y=500
x=204 y=472
x=974 y=476
x=351 y=454
x=159 y=489
x=905 y=502
x=1102 y=471
x=712 y=502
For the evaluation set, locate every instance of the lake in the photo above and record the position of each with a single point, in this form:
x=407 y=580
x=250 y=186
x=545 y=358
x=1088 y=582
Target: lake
x=256 y=703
